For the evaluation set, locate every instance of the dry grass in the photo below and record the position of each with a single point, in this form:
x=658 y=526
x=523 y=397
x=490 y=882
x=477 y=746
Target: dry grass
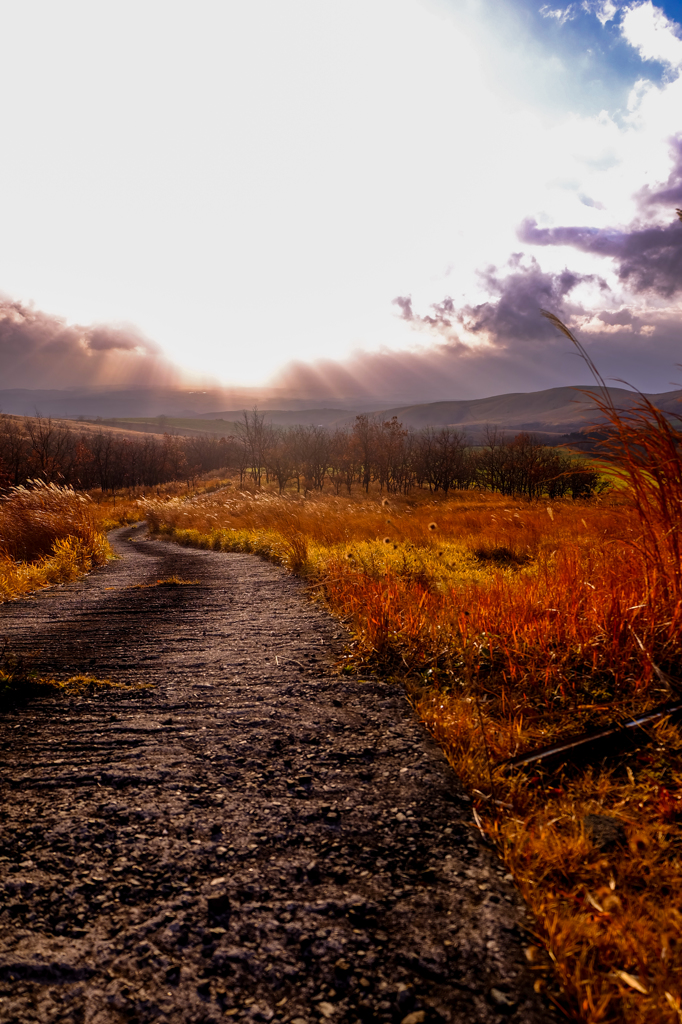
x=514 y=625
x=48 y=536
x=122 y=508
x=17 y=685
x=169 y=581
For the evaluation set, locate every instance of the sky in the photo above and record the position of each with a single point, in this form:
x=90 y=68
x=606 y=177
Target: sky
x=340 y=197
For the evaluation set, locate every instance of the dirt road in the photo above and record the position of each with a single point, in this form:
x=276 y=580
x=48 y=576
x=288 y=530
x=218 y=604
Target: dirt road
x=255 y=839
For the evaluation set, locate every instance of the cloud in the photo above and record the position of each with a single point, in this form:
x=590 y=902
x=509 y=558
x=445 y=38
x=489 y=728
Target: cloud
x=624 y=345
x=561 y=14
x=652 y=34
x=588 y=201
x=647 y=259
x=669 y=194
x=510 y=346
x=512 y=312
x=605 y=10
x=38 y=350
x=504 y=344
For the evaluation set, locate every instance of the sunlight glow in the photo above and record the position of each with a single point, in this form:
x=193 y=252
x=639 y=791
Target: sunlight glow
x=251 y=184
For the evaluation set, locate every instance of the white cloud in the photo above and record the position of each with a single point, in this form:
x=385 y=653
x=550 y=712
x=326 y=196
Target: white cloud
x=605 y=10
x=562 y=15
x=647 y=28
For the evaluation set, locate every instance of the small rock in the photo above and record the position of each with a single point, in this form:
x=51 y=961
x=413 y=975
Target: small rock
x=327 y=1009
x=603 y=830
x=417 y=1017
x=502 y=999
x=400 y=817
x=219 y=905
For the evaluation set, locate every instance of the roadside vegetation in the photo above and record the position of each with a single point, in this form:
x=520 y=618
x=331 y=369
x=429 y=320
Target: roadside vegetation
x=48 y=535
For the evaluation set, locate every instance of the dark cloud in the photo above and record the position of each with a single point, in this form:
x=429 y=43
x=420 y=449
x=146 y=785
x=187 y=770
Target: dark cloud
x=404 y=302
x=108 y=339
x=621 y=319
x=39 y=350
x=520 y=350
x=513 y=314
x=648 y=258
x=442 y=316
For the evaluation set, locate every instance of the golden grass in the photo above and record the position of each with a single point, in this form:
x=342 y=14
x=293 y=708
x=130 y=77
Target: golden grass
x=48 y=536
x=514 y=625
x=169 y=581
x=122 y=508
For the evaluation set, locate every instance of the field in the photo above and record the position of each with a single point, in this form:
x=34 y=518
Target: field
x=516 y=625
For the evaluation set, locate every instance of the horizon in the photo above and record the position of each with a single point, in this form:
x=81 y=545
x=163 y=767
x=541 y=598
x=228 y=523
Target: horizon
x=108 y=404
x=362 y=200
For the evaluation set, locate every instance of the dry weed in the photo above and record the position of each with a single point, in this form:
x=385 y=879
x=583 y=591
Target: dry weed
x=18 y=686
x=48 y=536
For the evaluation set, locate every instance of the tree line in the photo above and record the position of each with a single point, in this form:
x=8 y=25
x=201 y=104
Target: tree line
x=369 y=452
x=37 y=448
x=384 y=452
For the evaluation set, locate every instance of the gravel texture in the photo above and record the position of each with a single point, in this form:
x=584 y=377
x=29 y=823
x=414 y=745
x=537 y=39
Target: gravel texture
x=255 y=839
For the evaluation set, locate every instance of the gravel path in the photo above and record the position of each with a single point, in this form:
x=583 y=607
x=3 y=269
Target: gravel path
x=254 y=839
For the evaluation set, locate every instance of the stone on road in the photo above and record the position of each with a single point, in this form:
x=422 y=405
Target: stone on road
x=254 y=839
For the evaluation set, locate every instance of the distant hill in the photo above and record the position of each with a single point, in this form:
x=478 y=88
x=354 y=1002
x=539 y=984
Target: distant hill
x=127 y=403
x=550 y=414
x=554 y=411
